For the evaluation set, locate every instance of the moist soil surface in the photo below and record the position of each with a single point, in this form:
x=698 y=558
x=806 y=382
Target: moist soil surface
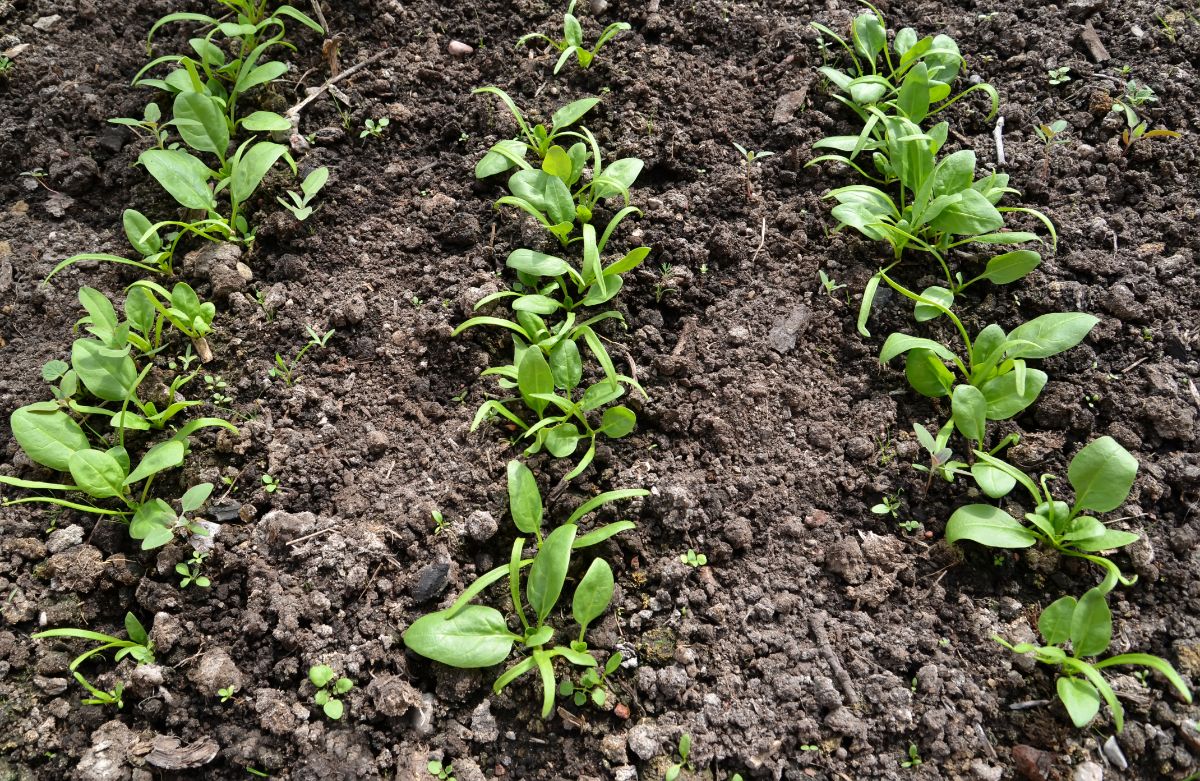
x=820 y=640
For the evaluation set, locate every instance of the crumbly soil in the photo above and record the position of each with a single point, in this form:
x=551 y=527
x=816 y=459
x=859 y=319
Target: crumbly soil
x=820 y=640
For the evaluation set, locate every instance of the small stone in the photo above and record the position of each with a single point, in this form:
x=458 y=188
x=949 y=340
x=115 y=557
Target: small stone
x=377 y=443
x=984 y=772
x=244 y=271
x=145 y=679
x=215 y=670
x=483 y=723
x=644 y=741
x=46 y=22
x=787 y=330
x=61 y=539
x=165 y=632
x=225 y=279
x=1088 y=771
x=393 y=696
x=739 y=334
x=74 y=175
x=430 y=581
x=788 y=105
x=612 y=747
x=481 y=526
x=459 y=49
x=50 y=686
x=1114 y=755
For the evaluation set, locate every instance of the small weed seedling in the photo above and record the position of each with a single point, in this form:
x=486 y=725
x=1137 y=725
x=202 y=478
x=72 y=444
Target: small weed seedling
x=685 y=748
x=374 y=128
x=889 y=505
x=7 y=66
x=191 y=571
x=572 y=40
x=227 y=693
x=270 y=484
x=1086 y=624
x=1102 y=474
x=216 y=386
x=329 y=685
x=941 y=457
x=1056 y=76
x=150 y=124
x=913 y=759
x=749 y=157
x=829 y=285
x=592 y=683
x=1136 y=128
x=1051 y=135
x=693 y=559
x=441 y=772
x=312 y=184
x=440 y=524
x=39 y=176
x=286 y=370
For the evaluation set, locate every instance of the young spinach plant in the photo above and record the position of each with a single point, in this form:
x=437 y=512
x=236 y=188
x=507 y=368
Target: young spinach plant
x=572 y=40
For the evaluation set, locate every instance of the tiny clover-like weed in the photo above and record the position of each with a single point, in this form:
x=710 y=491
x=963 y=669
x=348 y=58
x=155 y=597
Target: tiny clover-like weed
x=913 y=759
x=592 y=683
x=191 y=571
x=511 y=153
x=441 y=772
x=374 y=128
x=572 y=40
x=312 y=184
x=1102 y=475
x=286 y=370
x=684 y=751
x=329 y=686
x=270 y=484
x=1136 y=128
x=7 y=66
x=226 y=694
x=749 y=157
x=994 y=382
x=693 y=559
x=471 y=636
x=137 y=646
x=1056 y=76
x=1086 y=624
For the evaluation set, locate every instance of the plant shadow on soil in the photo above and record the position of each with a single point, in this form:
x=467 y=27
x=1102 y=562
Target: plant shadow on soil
x=770 y=432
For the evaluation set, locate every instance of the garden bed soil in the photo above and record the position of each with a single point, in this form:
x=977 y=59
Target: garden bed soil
x=820 y=640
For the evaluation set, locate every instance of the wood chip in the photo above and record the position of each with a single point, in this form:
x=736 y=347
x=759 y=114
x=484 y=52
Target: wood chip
x=1091 y=39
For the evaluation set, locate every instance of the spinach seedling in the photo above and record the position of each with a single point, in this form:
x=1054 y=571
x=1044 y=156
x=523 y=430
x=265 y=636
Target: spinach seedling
x=511 y=153
x=749 y=157
x=192 y=570
x=375 y=127
x=471 y=636
x=150 y=124
x=684 y=751
x=329 y=687
x=913 y=759
x=1086 y=624
x=137 y=646
x=312 y=184
x=829 y=285
x=941 y=458
x=693 y=559
x=1102 y=474
x=994 y=382
x=572 y=40
x=286 y=370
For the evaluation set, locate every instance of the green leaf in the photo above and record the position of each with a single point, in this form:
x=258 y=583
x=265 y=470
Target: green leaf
x=268 y=71
x=1110 y=539
x=603 y=533
x=476 y=636
x=200 y=120
x=250 y=168
x=1080 y=698
x=195 y=497
x=538 y=304
x=1050 y=334
x=989 y=526
x=1003 y=400
x=971 y=215
x=547 y=193
x=534 y=378
x=137 y=225
x=1011 y=266
x=869 y=37
x=969 y=412
x=549 y=570
x=524 y=499
x=1055 y=621
x=1091 y=625
x=898 y=344
x=593 y=594
x=320 y=675
x=994 y=482
x=571 y=113
x=163 y=456
x=913 y=99
x=566 y=365
x=562 y=440
x=617 y=178
x=924 y=312
x=48 y=437
x=135 y=630
x=183 y=176
x=1154 y=663
x=557 y=163
x=152 y=524
x=107 y=373
x=618 y=421
x=96 y=473
x=268 y=122
x=333 y=709
x=602 y=499
x=1102 y=474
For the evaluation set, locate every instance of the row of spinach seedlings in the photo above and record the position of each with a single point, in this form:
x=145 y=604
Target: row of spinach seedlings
x=918 y=202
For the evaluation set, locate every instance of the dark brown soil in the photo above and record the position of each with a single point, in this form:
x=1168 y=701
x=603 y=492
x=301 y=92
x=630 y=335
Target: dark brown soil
x=821 y=640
